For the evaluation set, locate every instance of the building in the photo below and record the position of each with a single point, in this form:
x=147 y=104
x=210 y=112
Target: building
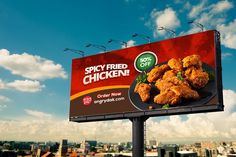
x=38 y=154
x=208 y=145
x=197 y=145
x=152 y=143
x=92 y=143
x=85 y=147
x=63 y=148
x=8 y=154
x=233 y=144
x=168 y=151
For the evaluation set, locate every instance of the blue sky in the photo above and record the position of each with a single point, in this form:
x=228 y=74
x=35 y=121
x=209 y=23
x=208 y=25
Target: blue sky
x=37 y=87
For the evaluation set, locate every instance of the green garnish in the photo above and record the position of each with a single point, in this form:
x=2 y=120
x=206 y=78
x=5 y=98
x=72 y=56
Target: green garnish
x=166 y=106
x=211 y=75
x=179 y=76
x=142 y=78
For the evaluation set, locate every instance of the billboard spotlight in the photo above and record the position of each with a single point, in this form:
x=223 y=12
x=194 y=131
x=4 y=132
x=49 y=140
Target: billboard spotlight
x=173 y=33
x=145 y=37
x=118 y=41
x=197 y=24
x=101 y=47
x=75 y=51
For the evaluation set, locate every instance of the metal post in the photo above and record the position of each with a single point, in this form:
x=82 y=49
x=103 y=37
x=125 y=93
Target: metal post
x=138 y=136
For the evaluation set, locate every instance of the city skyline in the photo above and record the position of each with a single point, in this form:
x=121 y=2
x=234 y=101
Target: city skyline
x=93 y=147
x=35 y=72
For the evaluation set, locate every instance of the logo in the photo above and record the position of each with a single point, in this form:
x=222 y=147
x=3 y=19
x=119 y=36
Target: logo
x=87 y=100
x=145 y=61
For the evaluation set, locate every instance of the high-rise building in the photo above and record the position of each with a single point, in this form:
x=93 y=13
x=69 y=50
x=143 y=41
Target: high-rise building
x=85 y=147
x=38 y=154
x=63 y=148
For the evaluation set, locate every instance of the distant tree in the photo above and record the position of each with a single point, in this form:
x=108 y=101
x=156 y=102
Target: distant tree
x=93 y=149
x=8 y=154
x=54 y=148
x=120 y=148
x=21 y=153
x=128 y=145
x=77 y=145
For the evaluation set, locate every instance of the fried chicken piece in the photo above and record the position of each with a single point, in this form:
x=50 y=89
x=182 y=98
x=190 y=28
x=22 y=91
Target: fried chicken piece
x=168 y=97
x=192 y=60
x=169 y=74
x=197 y=77
x=174 y=94
x=143 y=90
x=175 y=64
x=177 y=81
x=185 y=92
x=157 y=72
x=165 y=84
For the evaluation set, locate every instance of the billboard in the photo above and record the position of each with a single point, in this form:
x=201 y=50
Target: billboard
x=175 y=76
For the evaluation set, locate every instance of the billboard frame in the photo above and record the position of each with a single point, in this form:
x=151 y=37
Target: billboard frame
x=170 y=111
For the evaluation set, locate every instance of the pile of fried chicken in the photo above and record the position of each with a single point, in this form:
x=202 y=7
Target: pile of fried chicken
x=178 y=79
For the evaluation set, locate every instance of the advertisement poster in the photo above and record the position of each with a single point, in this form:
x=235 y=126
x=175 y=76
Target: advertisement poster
x=174 y=76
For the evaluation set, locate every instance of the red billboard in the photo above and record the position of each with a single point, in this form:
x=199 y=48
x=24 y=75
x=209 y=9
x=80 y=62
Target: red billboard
x=174 y=76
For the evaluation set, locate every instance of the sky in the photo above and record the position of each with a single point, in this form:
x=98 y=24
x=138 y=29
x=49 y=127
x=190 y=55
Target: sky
x=35 y=72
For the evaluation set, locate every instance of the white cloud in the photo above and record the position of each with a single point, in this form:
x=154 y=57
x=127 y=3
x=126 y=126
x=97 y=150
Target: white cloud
x=2 y=106
x=196 y=10
x=226 y=55
x=3 y=101
x=44 y=129
x=31 y=66
x=130 y=43
x=178 y=1
x=209 y=126
x=2 y=84
x=166 y=18
x=214 y=16
x=195 y=127
x=26 y=85
x=228 y=34
x=221 y=6
x=38 y=114
x=22 y=85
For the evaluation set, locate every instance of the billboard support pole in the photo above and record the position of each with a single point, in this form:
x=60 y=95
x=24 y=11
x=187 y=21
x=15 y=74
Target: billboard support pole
x=138 y=136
